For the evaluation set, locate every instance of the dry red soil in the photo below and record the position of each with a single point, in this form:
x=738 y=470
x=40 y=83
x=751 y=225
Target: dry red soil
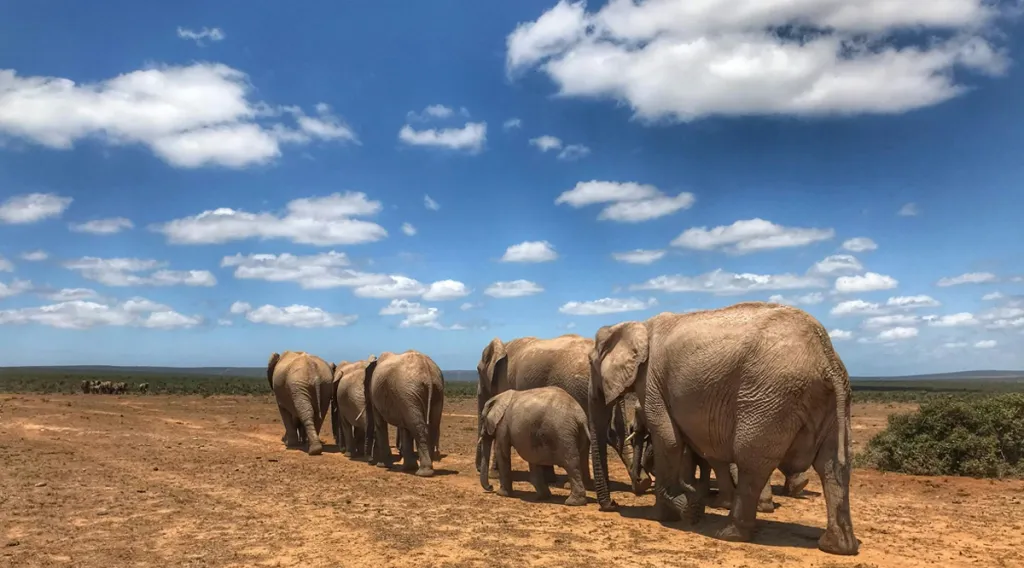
x=111 y=481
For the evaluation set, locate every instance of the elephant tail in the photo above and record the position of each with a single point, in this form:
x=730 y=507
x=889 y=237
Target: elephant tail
x=274 y=358
x=836 y=372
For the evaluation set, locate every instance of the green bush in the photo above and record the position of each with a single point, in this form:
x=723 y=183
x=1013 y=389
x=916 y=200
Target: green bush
x=975 y=437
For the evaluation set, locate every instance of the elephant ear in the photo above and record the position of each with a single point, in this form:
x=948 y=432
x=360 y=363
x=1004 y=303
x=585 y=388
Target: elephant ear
x=494 y=361
x=274 y=358
x=619 y=350
x=494 y=412
x=338 y=371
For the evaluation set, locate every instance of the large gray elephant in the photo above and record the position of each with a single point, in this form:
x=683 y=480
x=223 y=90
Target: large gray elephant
x=756 y=384
x=303 y=387
x=348 y=407
x=547 y=427
x=564 y=361
x=405 y=390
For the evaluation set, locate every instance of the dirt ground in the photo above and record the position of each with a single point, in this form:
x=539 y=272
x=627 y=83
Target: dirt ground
x=111 y=481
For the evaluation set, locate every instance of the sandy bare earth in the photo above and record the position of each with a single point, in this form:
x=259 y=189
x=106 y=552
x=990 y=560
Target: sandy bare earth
x=111 y=481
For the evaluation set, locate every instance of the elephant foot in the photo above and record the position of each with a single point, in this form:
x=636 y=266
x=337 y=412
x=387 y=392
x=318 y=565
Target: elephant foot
x=492 y=474
x=733 y=533
x=765 y=507
x=693 y=514
x=576 y=500
x=383 y=465
x=642 y=486
x=316 y=449
x=348 y=454
x=664 y=511
x=503 y=492
x=795 y=486
x=541 y=497
x=488 y=488
x=425 y=472
x=409 y=466
x=563 y=485
x=834 y=542
x=721 y=502
x=611 y=505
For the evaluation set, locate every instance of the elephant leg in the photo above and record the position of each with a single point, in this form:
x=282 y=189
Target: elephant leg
x=725 y=475
x=835 y=482
x=493 y=474
x=291 y=436
x=670 y=502
x=381 y=445
x=304 y=408
x=349 y=436
x=574 y=468
x=423 y=447
x=503 y=455
x=539 y=480
x=796 y=483
x=549 y=475
x=406 y=449
x=357 y=435
x=750 y=482
x=764 y=501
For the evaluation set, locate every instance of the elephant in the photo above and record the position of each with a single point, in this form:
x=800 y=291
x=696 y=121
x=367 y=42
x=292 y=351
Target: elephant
x=527 y=363
x=547 y=427
x=405 y=390
x=755 y=383
x=348 y=407
x=303 y=385
x=86 y=385
x=106 y=387
x=143 y=388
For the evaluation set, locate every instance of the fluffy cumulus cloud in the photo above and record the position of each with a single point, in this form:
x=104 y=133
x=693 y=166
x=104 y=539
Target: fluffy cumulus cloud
x=295 y=315
x=470 y=137
x=566 y=152
x=751 y=235
x=894 y=320
x=867 y=282
x=968 y=278
x=680 y=61
x=721 y=282
x=898 y=333
x=513 y=289
x=639 y=256
x=14 y=288
x=859 y=244
x=85 y=314
x=33 y=256
x=856 y=308
x=952 y=320
x=30 y=207
x=512 y=123
x=837 y=264
x=912 y=302
x=5 y=265
x=625 y=202
x=126 y=272
x=321 y=221
x=417 y=315
x=607 y=306
x=189 y=116
x=804 y=300
x=840 y=335
x=909 y=210
x=408 y=229
x=530 y=251
x=108 y=226
x=434 y=111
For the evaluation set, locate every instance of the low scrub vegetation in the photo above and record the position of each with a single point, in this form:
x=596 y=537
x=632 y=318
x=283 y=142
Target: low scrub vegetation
x=975 y=437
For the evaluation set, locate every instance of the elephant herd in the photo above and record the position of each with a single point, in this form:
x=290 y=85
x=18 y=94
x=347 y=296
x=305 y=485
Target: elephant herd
x=741 y=390
x=108 y=387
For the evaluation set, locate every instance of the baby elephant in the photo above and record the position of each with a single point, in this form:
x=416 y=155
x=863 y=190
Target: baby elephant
x=547 y=427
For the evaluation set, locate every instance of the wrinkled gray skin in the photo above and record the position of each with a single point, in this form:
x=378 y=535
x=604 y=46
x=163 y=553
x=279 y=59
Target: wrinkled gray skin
x=564 y=361
x=405 y=390
x=547 y=427
x=303 y=387
x=755 y=384
x=348 y=407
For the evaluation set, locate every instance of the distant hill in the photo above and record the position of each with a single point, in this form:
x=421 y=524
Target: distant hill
x=449 y=375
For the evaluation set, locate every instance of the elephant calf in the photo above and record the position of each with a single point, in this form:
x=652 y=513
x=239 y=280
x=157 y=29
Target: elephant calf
x=547 y=427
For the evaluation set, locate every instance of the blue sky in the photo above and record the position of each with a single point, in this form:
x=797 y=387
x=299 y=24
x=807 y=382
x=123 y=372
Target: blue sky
x=197 y=184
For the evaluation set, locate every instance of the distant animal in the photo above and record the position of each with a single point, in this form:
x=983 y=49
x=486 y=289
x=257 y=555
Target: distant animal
x=302 y=384
x=86 y=386
x=405 y=390
x=143 y=388
x=547 y=427
x=120 y=388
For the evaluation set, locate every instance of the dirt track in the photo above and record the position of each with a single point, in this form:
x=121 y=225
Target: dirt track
x=99 y=480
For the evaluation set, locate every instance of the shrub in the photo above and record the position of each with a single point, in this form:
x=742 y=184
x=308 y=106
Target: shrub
x=975 y=437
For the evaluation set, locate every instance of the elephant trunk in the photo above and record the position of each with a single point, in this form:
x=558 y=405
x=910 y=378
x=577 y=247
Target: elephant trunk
x=484 y=445
x=599 y=417
x=481 y=400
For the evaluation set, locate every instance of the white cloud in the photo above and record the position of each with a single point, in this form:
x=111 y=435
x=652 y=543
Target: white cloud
x=574 y=152
x=890 y=321
x=394 y=287
x=470 y=137
x=32 y=256
x=867 y=282
x=212 y=34
x=912 y=302
x=430 y=203
x=225 y=322
x=417 y=315
x=750 y=235
x=546 y=142
x=680 y=61
x=81 y=314
x=952 y=320
x=102 y=226
x=840 y=335
x=316 y=271
x=805 y=300
x=295 y=315
x=955 y=344
x=723 y=283
x=968 y=278
x=607 y=306
x=630 y=202
x=123 y=272
x=897 y=333
x=993 y=296
x=29 y=207
x=513 y=289
x=5 y=265
x=639 y=256
x=408 y=229
x=530 y=251
x=859 y=244
x=466 y=306
x=837 y=263
x=512 y=123
x=189 y=116
x=985 y=344
x=14 y=288
x=1003 y=312
x=445 y=290
x=856 y=307
x=908 y=210
x=72 y=294
x=320 y=221
x=435 y=111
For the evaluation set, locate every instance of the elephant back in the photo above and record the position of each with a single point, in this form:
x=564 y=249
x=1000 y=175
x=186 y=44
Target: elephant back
x=562 y=362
